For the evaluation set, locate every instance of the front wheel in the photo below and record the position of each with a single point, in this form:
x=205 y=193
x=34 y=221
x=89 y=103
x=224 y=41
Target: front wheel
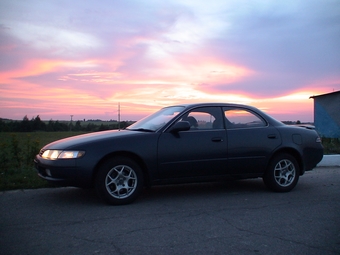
x=119 y=181
x=282 y=173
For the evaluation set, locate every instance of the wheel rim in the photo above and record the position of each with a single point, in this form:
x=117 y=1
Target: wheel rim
x=284 y=173
x=121 y=181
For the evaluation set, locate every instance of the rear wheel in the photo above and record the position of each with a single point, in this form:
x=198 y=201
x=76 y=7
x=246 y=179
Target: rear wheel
x=119 y=181
x=282 y=174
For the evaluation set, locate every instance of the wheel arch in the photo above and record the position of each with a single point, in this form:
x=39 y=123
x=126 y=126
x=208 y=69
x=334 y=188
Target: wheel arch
x=126 y=154
x=293 y=152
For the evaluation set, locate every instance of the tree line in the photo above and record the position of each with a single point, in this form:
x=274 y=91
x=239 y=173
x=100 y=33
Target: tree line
x=36 y=124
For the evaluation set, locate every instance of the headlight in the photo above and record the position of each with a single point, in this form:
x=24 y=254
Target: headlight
x=59 y=154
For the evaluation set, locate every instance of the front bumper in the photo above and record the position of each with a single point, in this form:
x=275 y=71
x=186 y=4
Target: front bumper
x=58 y=172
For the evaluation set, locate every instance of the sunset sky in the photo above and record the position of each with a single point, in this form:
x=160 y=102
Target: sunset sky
x=83 y=57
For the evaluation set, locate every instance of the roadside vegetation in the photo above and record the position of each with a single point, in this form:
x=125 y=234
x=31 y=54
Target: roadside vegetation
x=36 y=124
x=18 y=149
x=20 y=141
x=331 y=145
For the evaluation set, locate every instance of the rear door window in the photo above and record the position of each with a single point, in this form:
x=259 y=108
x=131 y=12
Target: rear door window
x=241 y=118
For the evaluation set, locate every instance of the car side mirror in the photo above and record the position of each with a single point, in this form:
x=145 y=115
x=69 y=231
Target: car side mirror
x=180 y=126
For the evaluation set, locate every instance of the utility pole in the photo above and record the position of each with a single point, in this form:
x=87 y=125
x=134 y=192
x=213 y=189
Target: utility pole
x=71 y=123
x=118 y=116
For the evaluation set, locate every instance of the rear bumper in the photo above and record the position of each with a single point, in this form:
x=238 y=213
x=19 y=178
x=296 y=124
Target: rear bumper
x=312 y=157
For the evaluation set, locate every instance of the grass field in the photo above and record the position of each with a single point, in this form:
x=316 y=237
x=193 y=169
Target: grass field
x=42 y=137
x=17 y=151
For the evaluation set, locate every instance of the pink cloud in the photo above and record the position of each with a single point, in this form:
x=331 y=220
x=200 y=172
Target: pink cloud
x=85 y=60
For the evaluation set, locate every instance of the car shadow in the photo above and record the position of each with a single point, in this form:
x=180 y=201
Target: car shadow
x=72 y=196
x=77 y=196
x=209 y=189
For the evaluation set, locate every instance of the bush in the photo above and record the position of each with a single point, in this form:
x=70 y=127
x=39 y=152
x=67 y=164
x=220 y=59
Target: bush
x=16 y=163
x=331 y=145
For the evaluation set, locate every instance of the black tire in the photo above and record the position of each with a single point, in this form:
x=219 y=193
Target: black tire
x=119 y=181
x=282 y=173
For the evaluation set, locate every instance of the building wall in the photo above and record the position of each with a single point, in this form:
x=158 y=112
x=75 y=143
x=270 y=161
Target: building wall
x=327 y=114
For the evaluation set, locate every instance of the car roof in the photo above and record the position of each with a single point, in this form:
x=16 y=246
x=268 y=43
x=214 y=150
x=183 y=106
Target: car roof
x=258 y=111
x=190 y=105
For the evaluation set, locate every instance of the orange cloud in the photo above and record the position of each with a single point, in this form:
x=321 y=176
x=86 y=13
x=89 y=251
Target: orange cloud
x=95 y=87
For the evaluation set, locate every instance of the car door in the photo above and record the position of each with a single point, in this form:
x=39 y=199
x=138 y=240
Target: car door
x=200 y=151
x=250 y=140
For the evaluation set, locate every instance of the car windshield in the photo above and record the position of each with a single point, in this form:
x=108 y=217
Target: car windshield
x=157 y=120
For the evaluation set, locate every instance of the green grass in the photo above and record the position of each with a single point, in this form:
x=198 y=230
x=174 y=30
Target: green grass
x=17 y=151
x=331 y=145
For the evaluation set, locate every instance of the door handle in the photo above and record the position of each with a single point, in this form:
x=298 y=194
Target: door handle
x=217 y=139
x=272 y=136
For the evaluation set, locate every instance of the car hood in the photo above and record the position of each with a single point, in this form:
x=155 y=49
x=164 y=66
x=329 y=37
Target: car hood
x=88 y=138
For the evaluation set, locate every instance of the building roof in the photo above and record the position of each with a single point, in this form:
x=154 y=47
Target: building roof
x=327 y=94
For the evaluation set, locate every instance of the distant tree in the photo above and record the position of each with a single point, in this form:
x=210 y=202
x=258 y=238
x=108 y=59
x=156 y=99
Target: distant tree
x=77 y=126
x=38 y=124
x=50 y=126
x=25 y=125
x=14 y=126
x=2 y=125
x=91 y=127
x=298 y=122
x=60 y=126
